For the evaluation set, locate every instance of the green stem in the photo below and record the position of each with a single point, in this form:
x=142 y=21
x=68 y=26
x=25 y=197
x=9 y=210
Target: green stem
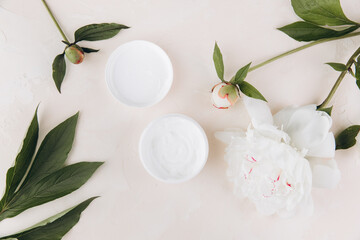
x=340 y=78
x=301 y=48
x=352 y=72
x=56 y=23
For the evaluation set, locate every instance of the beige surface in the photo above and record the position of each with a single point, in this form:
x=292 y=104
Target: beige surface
x=133 y=205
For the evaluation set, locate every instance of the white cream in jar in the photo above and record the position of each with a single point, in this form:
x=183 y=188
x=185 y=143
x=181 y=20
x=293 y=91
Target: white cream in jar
x=173 y=148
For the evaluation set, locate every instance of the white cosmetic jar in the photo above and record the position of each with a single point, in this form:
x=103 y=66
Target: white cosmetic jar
x=173 y=148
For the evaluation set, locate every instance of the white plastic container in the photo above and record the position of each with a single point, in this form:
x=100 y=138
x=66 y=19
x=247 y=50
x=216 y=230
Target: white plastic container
x=173 y=148
x=139 y=73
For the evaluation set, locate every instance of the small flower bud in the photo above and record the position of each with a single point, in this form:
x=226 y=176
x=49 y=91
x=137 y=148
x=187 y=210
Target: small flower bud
x=74 y=53
x=224 y=95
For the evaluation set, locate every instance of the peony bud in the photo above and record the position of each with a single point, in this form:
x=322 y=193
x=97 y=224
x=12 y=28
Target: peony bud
x=224 y=95
x=74 y=53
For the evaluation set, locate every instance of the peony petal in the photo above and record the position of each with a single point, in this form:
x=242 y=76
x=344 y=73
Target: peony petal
x=307 y=127
x=326 y=149
x=282 y=118
x=325 y=172
x=305 y=208
x=272 y=132
x=258 y=111
x=265 y=208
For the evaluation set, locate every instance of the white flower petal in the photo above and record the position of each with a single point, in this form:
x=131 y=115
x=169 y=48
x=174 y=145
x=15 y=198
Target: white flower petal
x=282 y=118
x=273 y=132
x=326 y=149
x=307 y=128
x=305 y=208
x=265 y=208
x=269 y=172
x=325 y=172
x=267 y=164
x=258 y=110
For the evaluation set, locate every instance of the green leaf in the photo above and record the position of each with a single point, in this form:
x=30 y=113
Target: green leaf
x=358 y=83
x=55 y=227
x=337 y=66
x=305 y=31
x=66 y=43
x=241 y=74
x=346 y=139
x=218 y=61
x=58 y=184
x=327 y=110
x=59 y=69
x=22 y=161
x=250 y=91
x=9 y=177
x=357 y=70
x=95 y=32
x=50 y=157
x=89 y=50
x=321 y=12
x=53 y=150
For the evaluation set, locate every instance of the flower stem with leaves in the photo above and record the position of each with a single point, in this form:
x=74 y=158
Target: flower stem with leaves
x=346 y=138
x=55 y=21
x=75 y=53
x=321 y=21
x=298 y=49
x=344 y=69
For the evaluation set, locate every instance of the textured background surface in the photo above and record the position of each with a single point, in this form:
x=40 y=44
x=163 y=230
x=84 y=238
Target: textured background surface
x=133 y=205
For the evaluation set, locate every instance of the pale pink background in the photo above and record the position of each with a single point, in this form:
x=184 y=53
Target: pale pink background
x=133 y=205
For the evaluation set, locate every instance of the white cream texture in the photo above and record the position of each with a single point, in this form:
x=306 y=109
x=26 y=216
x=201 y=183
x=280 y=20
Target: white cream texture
x=173 y=148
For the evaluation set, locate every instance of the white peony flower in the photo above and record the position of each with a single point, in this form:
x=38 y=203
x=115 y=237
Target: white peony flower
x=276 y=162
x=224 y=95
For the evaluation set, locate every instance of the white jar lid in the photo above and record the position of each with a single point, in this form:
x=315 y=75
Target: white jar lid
x=139 y=73
x=173 y=148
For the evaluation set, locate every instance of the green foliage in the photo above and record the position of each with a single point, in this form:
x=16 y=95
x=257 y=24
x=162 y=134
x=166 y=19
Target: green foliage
x=96 y=32
x=15 y=174
x=92 y=32
x=241 y=74
x=327 y=110
x=218 y=61
x=250 y=91
x=320 y=19
x=305 y=31
x=346 y=139
x=89 y=50
x=337 y=66
x=59 y=69
x=321 y=12
x=35 y=180
x=55 y=227
x=357 y=70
